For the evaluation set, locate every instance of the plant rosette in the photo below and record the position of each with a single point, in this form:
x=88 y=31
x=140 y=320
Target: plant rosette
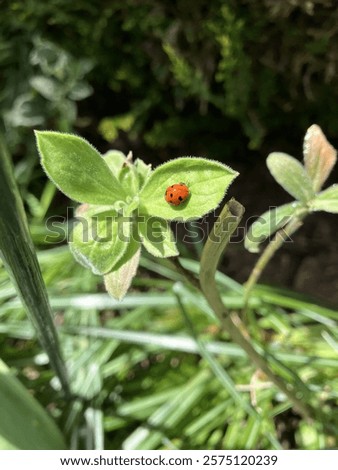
x=123 y=205
x=303 y=182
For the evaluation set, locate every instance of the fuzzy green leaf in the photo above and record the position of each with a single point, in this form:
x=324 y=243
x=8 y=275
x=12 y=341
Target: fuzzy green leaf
x=118 y=282
x=99 y=243
x=77 y=169
x=156 y=236
x=129 y=179
x=115 y=160
x=207 y=181
x=267 y=224
x=291 y=175
x=326 y=200
x=143 y=172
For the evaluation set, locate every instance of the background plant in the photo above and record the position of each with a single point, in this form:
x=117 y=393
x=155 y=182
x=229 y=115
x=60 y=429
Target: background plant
x=168 y=80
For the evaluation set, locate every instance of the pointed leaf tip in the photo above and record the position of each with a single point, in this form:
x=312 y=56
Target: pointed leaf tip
x=77 y=168
x=291 y=175
x=319 y=156
x=117 y=283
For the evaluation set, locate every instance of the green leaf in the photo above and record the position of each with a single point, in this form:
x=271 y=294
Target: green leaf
x=89 y=210
x=77 y=169
x=99 y=243
x=132 y=247
x=115 y=160
x=129 y=178
x=24 y=423
x=118 y=282
x=267 y=224
x=143 y=171
x=326 y=200
x=207 y=182
x=80 y=91
x=156 y=236
x=47 y=87
x=291 y=175
x=19 y=258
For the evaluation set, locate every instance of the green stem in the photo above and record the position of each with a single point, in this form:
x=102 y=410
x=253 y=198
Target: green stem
x=18 y=254
x=268 y=253
x=214 y=247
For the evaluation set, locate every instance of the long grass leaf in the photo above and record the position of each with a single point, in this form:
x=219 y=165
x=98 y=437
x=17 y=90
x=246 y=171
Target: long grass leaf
x=18 y=255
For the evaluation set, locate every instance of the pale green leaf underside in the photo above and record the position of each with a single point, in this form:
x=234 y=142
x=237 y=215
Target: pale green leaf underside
x=99 y=244
x=291 y=175
x=118 y=282
x=77 y=169
x=326 y=200
x=157 y=237
x=267 y=224
x=207 y=181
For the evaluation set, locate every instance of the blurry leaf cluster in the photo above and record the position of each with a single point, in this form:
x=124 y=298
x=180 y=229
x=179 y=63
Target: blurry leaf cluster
x=160 y=68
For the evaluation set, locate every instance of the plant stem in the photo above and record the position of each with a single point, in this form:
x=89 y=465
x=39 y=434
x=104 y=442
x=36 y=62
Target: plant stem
x=268 y=253
x=214 y=247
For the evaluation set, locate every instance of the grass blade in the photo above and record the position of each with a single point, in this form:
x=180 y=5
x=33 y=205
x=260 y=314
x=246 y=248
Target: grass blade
x=18 y=255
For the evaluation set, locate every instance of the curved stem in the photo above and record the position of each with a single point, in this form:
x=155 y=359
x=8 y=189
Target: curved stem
x=214 y=247
x=268 y=253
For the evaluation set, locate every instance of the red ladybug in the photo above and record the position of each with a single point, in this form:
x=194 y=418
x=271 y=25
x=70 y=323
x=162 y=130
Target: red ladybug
x=176 y=194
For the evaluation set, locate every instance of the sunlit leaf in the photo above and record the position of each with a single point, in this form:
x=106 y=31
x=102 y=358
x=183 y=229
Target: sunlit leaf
x=157 y=237
x=77 y=169
x=291 y=175
x=207 y=181
x=326 y=200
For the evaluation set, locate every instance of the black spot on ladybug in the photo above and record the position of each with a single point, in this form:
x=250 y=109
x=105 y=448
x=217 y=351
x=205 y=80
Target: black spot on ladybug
x=180 y=198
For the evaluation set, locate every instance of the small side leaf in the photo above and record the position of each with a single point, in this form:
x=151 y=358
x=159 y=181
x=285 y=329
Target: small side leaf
x=129 y=179
x=319 y=156
x=157 y=237
x=267 y=224
x=207 y=181
x=326 y=200
x=143 y=172
x=115 y=160
x=118 y=282
x=291 y=175
x=77 y=169
x=99 y=243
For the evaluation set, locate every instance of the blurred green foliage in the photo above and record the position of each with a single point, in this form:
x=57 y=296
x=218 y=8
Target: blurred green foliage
x=166 y=72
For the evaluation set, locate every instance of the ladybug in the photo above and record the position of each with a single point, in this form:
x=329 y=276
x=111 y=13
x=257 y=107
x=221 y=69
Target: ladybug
x=176 y=194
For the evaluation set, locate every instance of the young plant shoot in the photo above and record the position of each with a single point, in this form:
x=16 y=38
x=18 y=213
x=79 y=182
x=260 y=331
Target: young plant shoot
x=125 y=205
